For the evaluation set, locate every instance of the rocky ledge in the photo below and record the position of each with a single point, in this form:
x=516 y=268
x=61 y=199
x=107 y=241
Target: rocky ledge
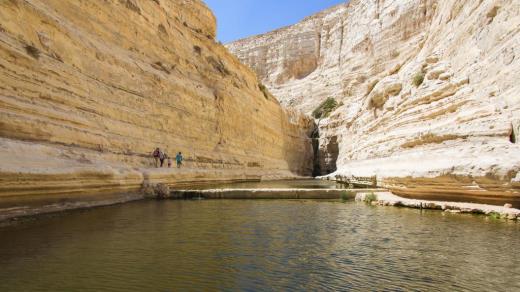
x=389 y=199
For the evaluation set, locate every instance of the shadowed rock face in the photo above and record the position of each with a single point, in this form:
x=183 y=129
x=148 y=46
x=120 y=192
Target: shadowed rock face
x=328 y=154
x=429 y=90
x=89 y=88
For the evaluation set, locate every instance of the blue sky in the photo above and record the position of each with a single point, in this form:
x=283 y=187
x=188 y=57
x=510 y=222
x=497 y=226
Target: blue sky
x=242 y=18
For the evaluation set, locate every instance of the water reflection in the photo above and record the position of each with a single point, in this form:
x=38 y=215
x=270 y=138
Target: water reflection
x=259 y=245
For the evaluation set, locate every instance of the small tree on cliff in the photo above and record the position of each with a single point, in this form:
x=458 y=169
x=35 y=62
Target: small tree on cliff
x=325 y=108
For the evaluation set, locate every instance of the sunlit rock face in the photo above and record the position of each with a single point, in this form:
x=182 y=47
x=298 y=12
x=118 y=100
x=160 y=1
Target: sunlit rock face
x=453 y=134
x=89 y=88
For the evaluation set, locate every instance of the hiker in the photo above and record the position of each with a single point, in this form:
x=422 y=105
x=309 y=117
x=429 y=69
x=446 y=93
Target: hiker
x=163 y=157
x=156 y=156
x=179 y=159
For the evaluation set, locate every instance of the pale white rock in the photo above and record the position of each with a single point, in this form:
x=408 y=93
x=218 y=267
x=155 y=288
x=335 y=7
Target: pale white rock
x=389 y=199
x=458 y=128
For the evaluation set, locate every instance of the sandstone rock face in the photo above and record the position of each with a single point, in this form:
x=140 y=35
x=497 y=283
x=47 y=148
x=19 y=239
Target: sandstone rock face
x=89 y=88
x=430 y=90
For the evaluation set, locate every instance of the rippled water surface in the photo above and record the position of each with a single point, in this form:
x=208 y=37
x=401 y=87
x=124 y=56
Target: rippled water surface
x=259 y=245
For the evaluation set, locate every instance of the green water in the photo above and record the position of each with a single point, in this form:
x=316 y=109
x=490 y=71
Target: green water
x=259 y=246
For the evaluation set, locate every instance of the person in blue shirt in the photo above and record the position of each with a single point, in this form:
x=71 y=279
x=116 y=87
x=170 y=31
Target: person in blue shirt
x=179 y=159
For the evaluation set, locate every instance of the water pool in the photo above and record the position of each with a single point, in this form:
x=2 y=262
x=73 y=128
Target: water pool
x=259 y=246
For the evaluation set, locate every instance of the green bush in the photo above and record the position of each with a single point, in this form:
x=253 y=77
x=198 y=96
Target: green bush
x=347 y=195
x=494 y=215
x=370 y=198
x=325 y=108
x=418 y=79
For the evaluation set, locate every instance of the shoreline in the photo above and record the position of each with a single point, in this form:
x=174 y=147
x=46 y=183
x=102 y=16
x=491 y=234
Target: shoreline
x=39 y=206
x=33 y=207
x=46 y=201
x=389 y=199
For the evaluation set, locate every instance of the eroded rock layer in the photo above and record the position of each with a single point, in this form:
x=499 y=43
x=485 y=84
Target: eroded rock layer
x=428 y=91
x=89 y=88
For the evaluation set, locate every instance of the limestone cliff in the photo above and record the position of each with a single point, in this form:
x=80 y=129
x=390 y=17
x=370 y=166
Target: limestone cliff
x=428 y=91
x=89 y=88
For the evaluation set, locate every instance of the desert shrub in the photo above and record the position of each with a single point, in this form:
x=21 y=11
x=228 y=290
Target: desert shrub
x=325 y=108
x=492 y=13
x=371 y=86
x=418 y=79
x=264 y=90
x=32 y=51
x=369 y=198
x=494 y=215
x=347 y=195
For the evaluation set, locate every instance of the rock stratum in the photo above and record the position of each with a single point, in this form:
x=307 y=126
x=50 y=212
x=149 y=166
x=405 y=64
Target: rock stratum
x=89 y=88
x=428 y=92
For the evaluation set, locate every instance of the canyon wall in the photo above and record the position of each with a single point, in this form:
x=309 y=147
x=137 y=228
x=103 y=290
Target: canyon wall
x=88 y=89
x=428 y=91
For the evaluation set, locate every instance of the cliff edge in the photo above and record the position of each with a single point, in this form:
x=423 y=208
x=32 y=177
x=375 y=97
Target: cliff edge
x=88 y=89
x=427 y=92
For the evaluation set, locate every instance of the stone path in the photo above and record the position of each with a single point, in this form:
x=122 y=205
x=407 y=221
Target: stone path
x=269 y=193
